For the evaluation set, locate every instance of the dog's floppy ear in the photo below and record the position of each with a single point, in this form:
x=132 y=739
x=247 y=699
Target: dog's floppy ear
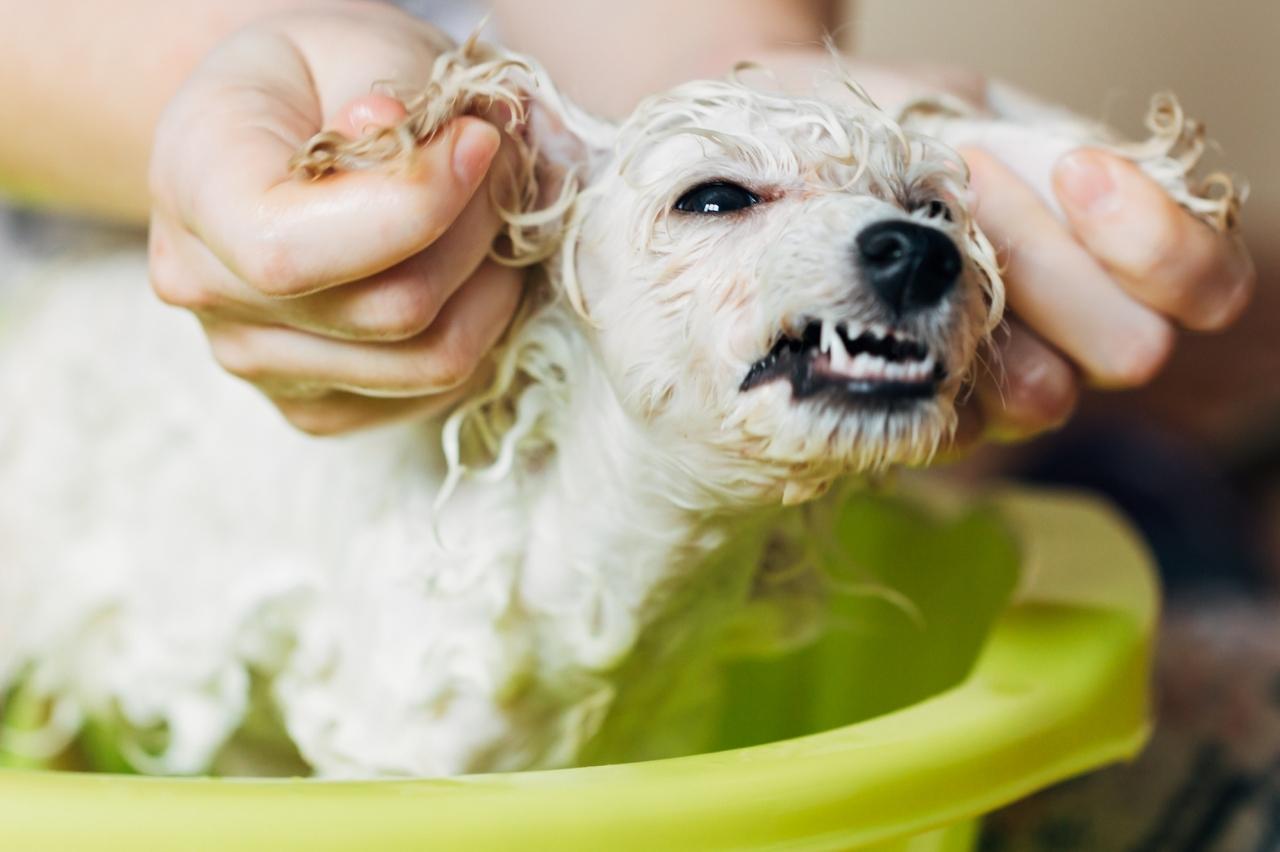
x=559 y=146
x=564 y=138
x=562 y=148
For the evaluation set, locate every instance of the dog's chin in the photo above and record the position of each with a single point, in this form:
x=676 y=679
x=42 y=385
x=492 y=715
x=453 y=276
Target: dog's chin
x=834 y=433
x=873 y=436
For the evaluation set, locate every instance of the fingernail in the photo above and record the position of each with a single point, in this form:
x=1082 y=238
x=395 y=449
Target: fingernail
x=474 y=149
x=1085 y=181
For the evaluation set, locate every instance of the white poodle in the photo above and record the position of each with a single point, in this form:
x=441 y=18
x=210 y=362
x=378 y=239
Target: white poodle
x=740 y=298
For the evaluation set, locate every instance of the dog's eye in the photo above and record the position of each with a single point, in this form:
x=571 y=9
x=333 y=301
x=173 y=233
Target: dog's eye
x=716 y=197
x=937 y=209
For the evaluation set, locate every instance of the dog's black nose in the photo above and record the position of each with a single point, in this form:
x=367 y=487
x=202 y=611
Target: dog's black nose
x=909 y=266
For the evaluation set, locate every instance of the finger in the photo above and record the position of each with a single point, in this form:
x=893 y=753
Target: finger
x=439 y=359
x=1059 y=290
x=289 y=237
x=1162 y=255
x=223 y=170
x=1030 y=389
x=403 y=301
x=338 y=412
x=395 y=304
x=180 y=276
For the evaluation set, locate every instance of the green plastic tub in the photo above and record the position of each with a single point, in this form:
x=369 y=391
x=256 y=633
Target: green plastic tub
x=1013 y=666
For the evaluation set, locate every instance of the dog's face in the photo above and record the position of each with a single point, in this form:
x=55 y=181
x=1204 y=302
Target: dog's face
x=789 y=282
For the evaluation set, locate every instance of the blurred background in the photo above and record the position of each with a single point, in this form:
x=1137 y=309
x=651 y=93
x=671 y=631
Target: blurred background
x=1193 y=459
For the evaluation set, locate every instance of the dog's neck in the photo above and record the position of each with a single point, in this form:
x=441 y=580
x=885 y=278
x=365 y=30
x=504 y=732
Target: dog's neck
x=607 y=559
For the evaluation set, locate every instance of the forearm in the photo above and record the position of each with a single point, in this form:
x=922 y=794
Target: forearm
x=82 y=85
x=609 y=55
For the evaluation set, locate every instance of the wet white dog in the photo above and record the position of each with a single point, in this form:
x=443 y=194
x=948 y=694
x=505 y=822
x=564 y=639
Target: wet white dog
x=740 y=299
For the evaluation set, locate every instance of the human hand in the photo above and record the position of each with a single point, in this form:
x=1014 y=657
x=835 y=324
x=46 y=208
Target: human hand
x=1098 y=298
x=1095 y=299
x=352 y=300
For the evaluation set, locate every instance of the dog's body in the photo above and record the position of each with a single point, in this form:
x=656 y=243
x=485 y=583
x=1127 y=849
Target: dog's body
x=534 y=580
x=174 y=544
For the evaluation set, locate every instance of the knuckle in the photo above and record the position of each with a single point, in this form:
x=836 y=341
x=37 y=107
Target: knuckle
x=162 y=272
x=271 y=268
x=168 y=287
x=398 y=310
x=1043 y=397
x=1230 y=305
x=451 y=363
x=1140 y=357
x=171 y=282
x=235 y=353
x=180 y=291
x=318 y=419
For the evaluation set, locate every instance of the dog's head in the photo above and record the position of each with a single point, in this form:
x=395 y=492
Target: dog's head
x=794 y=282
x=790 y=287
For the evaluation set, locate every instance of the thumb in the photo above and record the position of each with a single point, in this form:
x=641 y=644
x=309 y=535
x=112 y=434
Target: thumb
x=306 y=236
x=288 y=237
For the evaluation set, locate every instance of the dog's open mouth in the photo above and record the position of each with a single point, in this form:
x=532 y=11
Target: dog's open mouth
x=854 y=361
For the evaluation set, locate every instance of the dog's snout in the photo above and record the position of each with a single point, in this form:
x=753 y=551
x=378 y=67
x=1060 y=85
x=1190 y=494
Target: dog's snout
x=909 y=266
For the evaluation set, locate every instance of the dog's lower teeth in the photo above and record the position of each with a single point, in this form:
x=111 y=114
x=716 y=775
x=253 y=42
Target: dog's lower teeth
x=865 y=367
x=847 y=353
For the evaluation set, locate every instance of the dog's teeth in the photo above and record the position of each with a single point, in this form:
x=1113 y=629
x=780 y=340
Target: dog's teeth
x=828 y=336
x=839 y=356
x=852 y=330
x=878 y=331
x=920 y=370
x=866 y=366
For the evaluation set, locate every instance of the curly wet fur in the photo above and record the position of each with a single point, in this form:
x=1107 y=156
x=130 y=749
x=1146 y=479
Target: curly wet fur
x=520 y=584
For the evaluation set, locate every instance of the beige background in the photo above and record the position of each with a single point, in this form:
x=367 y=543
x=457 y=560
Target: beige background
x=1104 y=58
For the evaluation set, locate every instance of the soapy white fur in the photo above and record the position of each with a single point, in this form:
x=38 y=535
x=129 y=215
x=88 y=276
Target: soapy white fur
x=524 y=583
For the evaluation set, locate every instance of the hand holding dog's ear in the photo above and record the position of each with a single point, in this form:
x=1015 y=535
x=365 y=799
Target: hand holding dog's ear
x=1097 y=298
x=349 y=300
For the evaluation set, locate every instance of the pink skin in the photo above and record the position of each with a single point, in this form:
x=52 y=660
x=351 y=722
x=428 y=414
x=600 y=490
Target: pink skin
x=361 y=115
